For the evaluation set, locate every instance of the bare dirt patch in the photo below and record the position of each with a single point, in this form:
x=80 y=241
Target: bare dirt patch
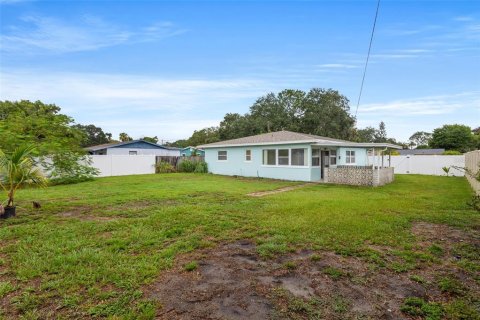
x=233 y=282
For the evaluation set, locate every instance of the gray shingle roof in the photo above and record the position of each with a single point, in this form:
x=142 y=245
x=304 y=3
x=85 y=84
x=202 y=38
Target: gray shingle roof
x=285 y=137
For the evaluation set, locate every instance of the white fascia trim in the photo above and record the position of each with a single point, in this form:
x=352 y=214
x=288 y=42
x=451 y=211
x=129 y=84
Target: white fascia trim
x=313 y=142
x=259 y=144
x=360 y=145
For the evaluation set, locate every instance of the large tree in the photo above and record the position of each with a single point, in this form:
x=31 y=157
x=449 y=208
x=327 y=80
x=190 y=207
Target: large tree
x=365 y=135
x=319 y=111
x=93 y=135
x=371 y=134
x=420 y=139
x=453 y=137
x=124 y=137
x=207 y=135
x=24 y=122
x=53 y=134
x=150 y=139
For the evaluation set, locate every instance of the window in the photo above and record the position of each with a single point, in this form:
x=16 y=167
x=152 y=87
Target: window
x=333 y=157
x=222 y=155
x=283 y=157
x=248 y=155
x=350 y=159
x=132 y=153
x=269 y=157
x=315 y=157
x=299 y=157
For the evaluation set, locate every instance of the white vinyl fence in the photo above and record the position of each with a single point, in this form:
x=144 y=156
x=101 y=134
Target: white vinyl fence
x=122 y=165
x=429 y=165
x=472 y=163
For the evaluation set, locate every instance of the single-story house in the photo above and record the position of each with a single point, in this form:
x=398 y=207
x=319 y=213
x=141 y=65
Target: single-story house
x=296 y=156
x=189 y=151
x=421 y=152
x=135 y=147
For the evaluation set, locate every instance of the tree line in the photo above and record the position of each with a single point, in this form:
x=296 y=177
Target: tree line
x=323 y=112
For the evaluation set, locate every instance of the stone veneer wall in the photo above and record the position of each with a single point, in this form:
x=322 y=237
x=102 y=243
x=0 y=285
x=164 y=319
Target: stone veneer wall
x=358 y=176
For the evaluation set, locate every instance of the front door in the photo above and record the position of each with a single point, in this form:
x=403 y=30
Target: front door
x=324 y=162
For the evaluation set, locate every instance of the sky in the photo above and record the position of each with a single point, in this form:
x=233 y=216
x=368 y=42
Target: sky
x=158 y=68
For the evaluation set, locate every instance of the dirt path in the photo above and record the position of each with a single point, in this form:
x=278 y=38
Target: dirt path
x=285 y=189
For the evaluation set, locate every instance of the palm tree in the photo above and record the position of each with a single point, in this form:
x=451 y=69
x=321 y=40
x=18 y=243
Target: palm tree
x=18 y=170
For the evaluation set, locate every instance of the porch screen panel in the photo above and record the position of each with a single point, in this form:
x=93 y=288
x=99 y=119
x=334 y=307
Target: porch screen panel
x=299 y=157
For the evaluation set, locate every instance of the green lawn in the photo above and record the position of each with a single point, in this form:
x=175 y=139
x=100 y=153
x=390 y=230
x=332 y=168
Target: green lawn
x=93 y=245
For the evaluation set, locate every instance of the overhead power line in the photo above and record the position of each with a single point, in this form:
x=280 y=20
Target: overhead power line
x=368 y=57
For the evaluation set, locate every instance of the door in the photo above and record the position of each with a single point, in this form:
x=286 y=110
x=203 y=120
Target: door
x=325 y=162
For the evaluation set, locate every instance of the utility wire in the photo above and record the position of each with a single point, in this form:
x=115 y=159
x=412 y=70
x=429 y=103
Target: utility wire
x=368 y=57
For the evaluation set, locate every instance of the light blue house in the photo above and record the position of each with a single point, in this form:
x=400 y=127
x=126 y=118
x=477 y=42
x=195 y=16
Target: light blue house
x=190 y=151
x=295 y=156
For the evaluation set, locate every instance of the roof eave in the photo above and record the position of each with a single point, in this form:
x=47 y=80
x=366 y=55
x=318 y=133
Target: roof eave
x=209 y=146
x=314 y=142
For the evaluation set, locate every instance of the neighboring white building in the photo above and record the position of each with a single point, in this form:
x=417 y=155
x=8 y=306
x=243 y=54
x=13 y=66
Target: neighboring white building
x=135 y=147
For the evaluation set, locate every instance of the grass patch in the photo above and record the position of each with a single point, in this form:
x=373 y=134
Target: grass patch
x=315 y=257
x=334 y=273
x=191 y=266
x=290 y=265
x=5 y=288
x=417 y=307
x=436 y=250
x=94 y=245
x=460 y=309
x=451 y=285
x=418 y=279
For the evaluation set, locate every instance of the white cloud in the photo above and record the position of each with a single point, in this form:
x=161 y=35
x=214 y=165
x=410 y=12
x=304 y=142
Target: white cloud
x=337 y=66
x=46 y=34
x=141 y=105
x=431 y=105
x=463 y=18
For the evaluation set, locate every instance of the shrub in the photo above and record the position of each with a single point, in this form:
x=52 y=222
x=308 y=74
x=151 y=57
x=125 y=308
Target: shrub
x=451 y=153
x=201 y=167
x=69 y=167
x=187 y=166
x=164 y=167
x=474 y=202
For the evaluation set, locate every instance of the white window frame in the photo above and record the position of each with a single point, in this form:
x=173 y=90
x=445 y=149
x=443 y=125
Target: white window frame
x=349 y=156
x=333 y=157
x=283 y=157
x=305 y=158
x=248 y=155
x=218 y=155
x=316 y=157
x=265 y=158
